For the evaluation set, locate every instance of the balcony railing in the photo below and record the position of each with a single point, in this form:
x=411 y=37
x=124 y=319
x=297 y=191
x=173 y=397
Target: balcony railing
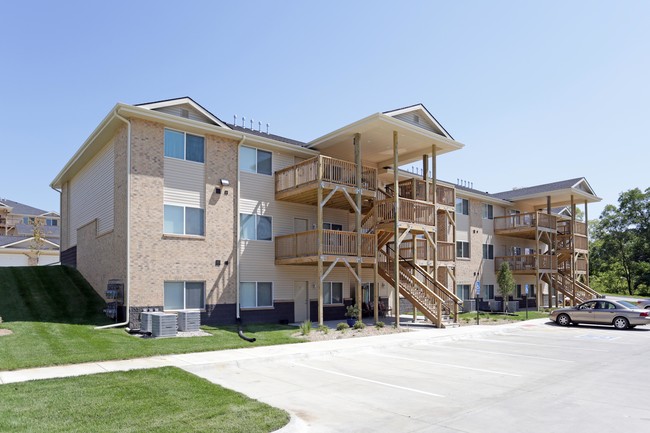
x=335 y=242
x=564 y=228
x=580 y=242
x=446 y=250
x=331 y=170
x=531 y=220
x=580 y=265
x=527 y=262
x=414 y=189
x=410 y=211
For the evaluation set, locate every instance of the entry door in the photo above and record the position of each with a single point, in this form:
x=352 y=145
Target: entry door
x=299 y=225
x=300 y=301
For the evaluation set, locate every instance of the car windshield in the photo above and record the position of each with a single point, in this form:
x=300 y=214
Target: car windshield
x=627 y=304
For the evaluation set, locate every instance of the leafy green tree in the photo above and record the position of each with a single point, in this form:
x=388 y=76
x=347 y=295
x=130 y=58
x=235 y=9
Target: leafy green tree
x=621 y=243
x=506 y=283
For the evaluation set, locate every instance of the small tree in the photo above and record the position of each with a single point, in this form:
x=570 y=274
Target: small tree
x=38 y=241
x=506 y=283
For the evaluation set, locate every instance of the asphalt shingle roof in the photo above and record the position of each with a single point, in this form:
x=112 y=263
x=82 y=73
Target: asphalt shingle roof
x=264 y=134
x=22 y=209
x=536 y=189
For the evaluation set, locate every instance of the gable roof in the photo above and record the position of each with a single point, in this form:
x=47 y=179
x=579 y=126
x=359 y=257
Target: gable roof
x=7 y=242
x=187 y=103
x=418 y=115
x=22 y=209
x=538 y=189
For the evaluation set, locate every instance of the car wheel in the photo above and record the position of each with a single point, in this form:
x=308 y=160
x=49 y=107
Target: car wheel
x=621 y=323
x=563 y=320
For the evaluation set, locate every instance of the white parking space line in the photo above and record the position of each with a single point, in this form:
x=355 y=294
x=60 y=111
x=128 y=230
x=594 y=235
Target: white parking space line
x=482 y=370
x=543 y=345
x=363 y=379
x=514 y=355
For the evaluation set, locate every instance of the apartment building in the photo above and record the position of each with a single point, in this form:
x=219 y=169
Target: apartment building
x=190 y=212
x=28 y=236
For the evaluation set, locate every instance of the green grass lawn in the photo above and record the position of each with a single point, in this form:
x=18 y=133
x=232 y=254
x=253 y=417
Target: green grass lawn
x=52 y=312
x=162 y=400
x=519 y=315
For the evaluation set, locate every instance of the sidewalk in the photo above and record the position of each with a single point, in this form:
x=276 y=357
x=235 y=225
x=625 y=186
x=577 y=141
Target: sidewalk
x=293 y=351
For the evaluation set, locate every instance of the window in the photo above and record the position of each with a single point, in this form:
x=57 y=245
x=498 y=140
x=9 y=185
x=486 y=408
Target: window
x=462 y=249
x=488 y=211
x=516 y=251
x=182 y=295
x=332 y=226
x=51 y=223
x=255 y=160
x=487 y=290
x=332 y=293
x=180 y=145
x=520 y=290
x=28 y=220
x=256 y=227
x=462 y=206
x=488 y=252
x=180 y=220
x=255 y=294
x=462 y=291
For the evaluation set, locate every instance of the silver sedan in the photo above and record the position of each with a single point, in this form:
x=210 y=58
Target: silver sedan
x=621 y=314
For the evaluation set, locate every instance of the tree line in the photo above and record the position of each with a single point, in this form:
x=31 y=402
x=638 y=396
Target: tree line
x=620 y=246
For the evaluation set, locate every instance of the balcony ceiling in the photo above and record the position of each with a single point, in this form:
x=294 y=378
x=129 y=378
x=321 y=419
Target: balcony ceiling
x=558 y=198
x=377 y=141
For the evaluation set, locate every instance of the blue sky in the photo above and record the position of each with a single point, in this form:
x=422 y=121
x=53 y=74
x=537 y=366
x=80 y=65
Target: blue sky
x=543 y=91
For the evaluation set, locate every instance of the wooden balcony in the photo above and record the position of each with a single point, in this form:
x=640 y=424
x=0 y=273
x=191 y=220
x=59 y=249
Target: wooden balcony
x=564 y=228
x=528 y=263
x=302 y=247
x=581 y=265
x=299 y=182
x=567 y=242
x=525 y=224
x=446 y=251
x=414 y=189
x=420 y=216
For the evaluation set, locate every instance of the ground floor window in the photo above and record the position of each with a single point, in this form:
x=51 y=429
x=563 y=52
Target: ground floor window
x=184 y=295
x=520 y=290
x=487 y=290
x=332 y=292
x=462 y=291
x=255 y=294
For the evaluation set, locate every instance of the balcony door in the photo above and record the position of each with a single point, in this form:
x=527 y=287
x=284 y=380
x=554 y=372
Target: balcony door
x=299 y=225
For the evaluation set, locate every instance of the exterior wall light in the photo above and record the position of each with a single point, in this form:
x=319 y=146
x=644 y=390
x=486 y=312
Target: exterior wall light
x=225 y=182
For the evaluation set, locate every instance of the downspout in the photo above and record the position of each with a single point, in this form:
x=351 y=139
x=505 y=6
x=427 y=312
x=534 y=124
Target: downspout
x=128 y=225
x=237 y=217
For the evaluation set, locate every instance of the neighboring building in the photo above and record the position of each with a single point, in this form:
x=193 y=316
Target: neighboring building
x=190 y=212
x=18 y=245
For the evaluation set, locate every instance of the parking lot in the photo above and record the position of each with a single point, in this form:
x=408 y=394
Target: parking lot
x=533 y=377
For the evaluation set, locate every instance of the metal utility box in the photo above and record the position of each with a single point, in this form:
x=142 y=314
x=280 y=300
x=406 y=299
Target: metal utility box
x=189 y=321
x=163 y=324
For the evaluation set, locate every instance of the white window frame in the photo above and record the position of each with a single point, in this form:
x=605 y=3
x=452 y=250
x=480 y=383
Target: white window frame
x=464 y=206
x=185 y=134
x=202 y=308
x=333 y=226
x=487 y=291
x=488 y=211
x=462 y=289
x=257 y=150
x=257 y=217
x=488 y=252
x=463 y=250
x=331 y=285
x=256 y=306
x=184 y=221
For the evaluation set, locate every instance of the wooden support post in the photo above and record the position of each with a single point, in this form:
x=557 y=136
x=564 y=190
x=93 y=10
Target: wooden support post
x=425 y=176
x=357 y=220
x=396 y=225
x=319 y=235
x=587 y=231
x=573 y=248
x=375 y=284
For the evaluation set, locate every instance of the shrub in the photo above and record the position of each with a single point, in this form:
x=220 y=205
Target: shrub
x=342 y=326
x=359 y=325
x=305 y=327
x=324 y=329
x=379 y=324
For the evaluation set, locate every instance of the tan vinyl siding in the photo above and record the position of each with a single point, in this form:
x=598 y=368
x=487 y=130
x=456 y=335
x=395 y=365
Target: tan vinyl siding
x=92 y=194
x=423 y=123
x=184 y=183
x=192 y=114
